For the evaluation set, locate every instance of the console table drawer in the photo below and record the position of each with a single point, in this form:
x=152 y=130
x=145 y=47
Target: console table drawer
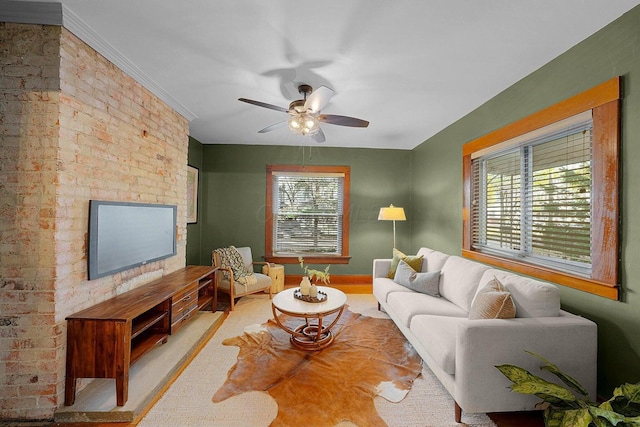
x=183 y=318
x=186 y=294
x=184 y=303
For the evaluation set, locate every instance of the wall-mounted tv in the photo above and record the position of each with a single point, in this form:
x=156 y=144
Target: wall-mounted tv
x=124 y=235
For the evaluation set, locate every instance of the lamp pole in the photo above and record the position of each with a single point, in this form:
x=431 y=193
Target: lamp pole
x=394 y=233
x=392 y=213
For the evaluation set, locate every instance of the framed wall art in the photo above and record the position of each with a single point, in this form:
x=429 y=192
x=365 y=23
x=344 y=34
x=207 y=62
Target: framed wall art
x=192 y=195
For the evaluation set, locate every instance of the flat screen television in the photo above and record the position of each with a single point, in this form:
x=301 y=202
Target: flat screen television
x=124 y=235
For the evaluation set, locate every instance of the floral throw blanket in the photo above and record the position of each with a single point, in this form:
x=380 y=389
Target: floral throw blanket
x=231 y=258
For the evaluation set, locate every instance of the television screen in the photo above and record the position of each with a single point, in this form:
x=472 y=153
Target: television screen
x=124 y=235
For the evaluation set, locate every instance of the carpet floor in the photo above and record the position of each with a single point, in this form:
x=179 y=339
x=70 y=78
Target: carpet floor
x=187 y=402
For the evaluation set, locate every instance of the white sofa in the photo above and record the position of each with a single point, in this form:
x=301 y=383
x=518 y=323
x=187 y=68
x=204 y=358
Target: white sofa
x=463 y=353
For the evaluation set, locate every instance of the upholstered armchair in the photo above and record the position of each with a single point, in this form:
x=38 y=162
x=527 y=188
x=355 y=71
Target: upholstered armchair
x=235 y=275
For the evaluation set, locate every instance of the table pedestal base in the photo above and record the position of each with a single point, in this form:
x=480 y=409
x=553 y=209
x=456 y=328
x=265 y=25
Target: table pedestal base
x=311 y=337
x=315 y=320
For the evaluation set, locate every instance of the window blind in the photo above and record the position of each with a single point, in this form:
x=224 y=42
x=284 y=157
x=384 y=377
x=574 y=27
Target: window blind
x=533 y=199
x=307 y=212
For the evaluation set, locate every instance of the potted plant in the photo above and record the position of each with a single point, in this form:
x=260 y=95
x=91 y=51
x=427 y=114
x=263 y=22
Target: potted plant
x=572 y=407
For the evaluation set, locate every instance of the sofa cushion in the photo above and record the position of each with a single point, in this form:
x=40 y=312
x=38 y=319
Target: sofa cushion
x=414 y=261
x=426 y=283
x=382 y=287
x=433 y=260
x=438 y=335
x=493 y=301
x=459 y=281
x=261 y=281
x=409 y=304
x=532 y=298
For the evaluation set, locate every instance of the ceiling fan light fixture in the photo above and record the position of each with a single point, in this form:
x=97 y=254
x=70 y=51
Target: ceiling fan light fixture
x=304 y=124
x=305 y=114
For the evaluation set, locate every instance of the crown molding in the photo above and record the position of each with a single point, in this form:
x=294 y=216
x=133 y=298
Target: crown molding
x=46 y=13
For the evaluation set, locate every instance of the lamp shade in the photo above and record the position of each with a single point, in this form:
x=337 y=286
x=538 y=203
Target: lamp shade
x=391 y=213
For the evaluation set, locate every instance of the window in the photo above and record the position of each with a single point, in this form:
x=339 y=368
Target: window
x=541 y=195
x=532 y=198
x=307 y=214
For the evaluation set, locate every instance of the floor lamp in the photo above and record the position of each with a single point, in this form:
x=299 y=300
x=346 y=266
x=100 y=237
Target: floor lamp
x=394 y=214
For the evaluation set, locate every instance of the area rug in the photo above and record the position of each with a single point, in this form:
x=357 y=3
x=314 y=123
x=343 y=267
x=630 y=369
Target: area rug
x=188 y=402
x=369 y=357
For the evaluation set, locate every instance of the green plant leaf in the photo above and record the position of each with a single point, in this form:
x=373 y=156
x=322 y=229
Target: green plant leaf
x=515 y=373
x=601 y=422
x=543 y=388
x=571 y=382
x=565 y=409
x=623 y=406
x=630 y=391
x=556 y=402
x=553 y=417
x=612 y=417
x=634 y=421
x=567 y=418
x=625 y=400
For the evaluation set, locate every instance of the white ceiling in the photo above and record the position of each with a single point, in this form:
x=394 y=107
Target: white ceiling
x=410 y=67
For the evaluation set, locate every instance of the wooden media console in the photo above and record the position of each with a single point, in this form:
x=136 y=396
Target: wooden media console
x=107 y=338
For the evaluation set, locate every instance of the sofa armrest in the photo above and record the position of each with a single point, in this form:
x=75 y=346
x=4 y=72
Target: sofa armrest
x=381 y=267
x=567 y=341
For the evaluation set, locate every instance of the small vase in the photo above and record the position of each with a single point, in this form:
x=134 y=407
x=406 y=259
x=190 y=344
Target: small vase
x=313 y=291
x=305 y=285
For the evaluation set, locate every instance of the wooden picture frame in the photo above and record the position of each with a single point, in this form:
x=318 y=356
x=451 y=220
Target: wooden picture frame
x=192 y=195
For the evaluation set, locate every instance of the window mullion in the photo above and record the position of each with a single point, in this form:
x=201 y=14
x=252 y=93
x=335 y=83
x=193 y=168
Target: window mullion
x=526 y=201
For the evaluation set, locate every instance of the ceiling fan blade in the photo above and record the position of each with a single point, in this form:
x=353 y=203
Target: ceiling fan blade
x=264 y=104
x=273 y=127
x=318 y=99
x=318 y=136
x=343 y=120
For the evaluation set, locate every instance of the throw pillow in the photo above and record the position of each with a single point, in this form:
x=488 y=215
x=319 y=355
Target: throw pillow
x=493 y=302
x=414 y=261
x=426 y=283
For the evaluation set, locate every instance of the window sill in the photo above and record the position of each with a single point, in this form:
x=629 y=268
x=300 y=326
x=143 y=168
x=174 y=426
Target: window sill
x=606 y=290
x=308 y=259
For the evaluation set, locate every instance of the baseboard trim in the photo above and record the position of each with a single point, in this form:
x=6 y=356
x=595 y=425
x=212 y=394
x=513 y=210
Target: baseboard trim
x=347 y=283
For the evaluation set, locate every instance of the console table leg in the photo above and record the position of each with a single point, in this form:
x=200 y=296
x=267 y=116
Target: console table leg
x=70 y=390
x=122 y=389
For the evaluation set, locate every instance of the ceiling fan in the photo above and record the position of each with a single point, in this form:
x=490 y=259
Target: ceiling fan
x=305 y=113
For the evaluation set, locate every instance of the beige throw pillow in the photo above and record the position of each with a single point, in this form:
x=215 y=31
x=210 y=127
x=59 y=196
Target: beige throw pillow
x=414 y=261
x=493 y=302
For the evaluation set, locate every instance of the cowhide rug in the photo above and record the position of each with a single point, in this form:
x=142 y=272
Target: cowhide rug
x=369 y=357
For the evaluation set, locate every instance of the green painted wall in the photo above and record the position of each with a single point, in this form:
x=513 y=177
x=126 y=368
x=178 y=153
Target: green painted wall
x=436 y=212
x=233 y=182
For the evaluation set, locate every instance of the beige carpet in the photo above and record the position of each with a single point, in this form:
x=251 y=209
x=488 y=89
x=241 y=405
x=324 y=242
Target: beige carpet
x=187 y=403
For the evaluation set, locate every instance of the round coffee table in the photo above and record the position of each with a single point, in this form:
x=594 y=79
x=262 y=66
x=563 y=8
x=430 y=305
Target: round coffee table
x=312 y=334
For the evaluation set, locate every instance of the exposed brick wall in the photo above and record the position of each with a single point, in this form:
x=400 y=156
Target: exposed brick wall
x=74 y=128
